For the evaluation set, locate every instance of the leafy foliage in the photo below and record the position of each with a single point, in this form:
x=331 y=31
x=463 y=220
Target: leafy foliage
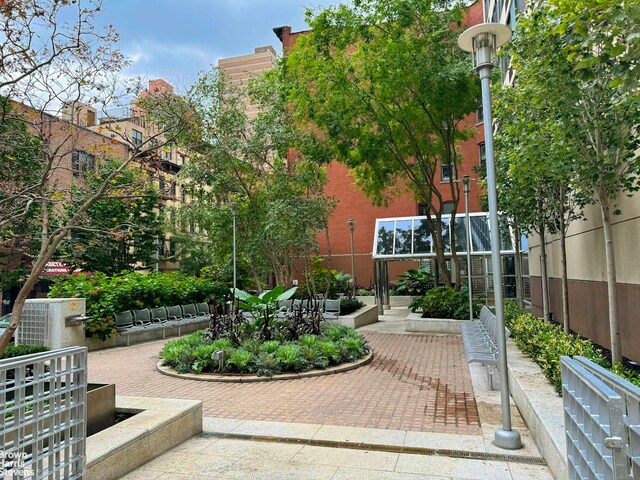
x=120 y=229
x=336 y=344
x=350 y=305
x=545 y=342
x=14 y=350
x=414 y=282
x=243 y=160
x=576 y=105
x=108 y=295
x=386 y=85
x=444 y=302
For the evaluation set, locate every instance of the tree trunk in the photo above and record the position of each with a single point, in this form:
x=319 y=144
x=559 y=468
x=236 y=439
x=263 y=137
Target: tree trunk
x=614 y=331
x=439 y=249
x=544 y=277
x=565 y=280
x=518 y=266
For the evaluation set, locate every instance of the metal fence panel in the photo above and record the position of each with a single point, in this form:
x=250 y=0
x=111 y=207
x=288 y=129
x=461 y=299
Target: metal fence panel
x=43 y=411
x=602 y=434
x=34 y=325
x=631 y=414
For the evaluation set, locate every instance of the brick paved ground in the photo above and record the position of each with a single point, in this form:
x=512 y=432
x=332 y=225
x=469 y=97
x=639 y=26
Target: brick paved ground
x=415 y=382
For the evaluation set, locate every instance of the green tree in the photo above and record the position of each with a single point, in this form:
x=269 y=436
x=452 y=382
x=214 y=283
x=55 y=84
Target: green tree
x=53 y=56
x=386 y=86
x=589 y=83
x=120 y=229
x=243 y=159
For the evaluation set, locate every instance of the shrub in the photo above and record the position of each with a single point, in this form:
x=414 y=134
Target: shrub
x=546 y=342
x=240 y=359
x=443 y=302
x=192 y=353
x=14 y=350
x=267 y=364
x=350 y=305
x=290 y=357
x=108 y=295
x=414 y=282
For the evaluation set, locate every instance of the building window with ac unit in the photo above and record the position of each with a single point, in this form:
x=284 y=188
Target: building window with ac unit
x=483 y=155
x=480 y=115
x=82 y=162
x=136 y=137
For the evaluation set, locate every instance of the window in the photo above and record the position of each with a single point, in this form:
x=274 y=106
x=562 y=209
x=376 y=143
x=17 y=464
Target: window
x=161 y=185
x=82 y=162
x=445 y=173
x=422 y=210
x=173 y=189
x=480 y=114
x=136 y=137
x=167 y=153
x=483 y=155
x=447 y=208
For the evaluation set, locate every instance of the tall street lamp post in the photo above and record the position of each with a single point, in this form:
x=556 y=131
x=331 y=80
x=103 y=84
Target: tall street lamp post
x=482 y=41
x=234 y=210
x=465 y=184
x=352 y=224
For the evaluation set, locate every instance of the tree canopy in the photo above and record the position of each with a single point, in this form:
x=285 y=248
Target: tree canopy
x=386 y=88
x=243 y=160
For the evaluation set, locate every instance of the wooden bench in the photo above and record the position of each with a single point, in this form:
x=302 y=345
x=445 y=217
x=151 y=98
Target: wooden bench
x=480 y=340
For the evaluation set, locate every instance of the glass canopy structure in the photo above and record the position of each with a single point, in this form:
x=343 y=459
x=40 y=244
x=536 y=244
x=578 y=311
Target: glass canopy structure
x=411 y=237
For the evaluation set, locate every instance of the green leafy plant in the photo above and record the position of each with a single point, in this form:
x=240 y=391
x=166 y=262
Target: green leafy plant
x=414 y=282
x=267 y=364
x=290 y=357
x=240 y=359
x=264 y=306
x=443 y=302
x=350 y=305
x=546 y=342
x=14 y=350
x=108 y=295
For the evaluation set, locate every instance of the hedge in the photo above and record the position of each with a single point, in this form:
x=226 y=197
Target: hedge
x=546 y=342
x=107 y=295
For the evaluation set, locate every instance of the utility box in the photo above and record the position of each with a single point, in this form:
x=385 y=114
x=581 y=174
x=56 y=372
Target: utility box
x=54 y=322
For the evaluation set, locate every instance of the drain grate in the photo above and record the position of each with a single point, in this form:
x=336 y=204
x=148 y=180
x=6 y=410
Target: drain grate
x=382 y=448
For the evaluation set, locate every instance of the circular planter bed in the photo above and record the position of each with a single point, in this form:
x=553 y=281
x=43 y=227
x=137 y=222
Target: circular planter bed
x=245 y=356
x=250 y=378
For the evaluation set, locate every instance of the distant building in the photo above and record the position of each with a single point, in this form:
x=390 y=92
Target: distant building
x=239 y=70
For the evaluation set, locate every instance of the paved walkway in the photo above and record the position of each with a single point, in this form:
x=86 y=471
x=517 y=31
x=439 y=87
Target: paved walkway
x=410 y=414
x=415 y=382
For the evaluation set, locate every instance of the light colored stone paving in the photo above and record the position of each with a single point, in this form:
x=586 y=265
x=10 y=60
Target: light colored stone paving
x=211 y=455
x=415 y=382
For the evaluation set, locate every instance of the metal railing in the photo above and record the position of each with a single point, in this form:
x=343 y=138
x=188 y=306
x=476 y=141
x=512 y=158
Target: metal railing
x=43 y=412
x=602 y=422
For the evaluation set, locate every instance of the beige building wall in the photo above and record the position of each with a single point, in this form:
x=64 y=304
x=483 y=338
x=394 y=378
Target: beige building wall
x=239 y=70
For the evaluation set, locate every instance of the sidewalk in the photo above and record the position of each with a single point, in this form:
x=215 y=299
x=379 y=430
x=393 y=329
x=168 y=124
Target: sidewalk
x=432 y=416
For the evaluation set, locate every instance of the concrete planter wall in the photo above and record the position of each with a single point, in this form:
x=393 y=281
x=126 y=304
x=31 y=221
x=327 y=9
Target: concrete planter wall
x=363 y=316
x=415 y=323
x=394 y=300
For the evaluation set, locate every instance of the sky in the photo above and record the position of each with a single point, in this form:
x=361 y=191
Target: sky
x=174 y=40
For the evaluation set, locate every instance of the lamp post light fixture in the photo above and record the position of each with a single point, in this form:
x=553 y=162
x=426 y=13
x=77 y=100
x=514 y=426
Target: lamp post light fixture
x=234 y=211
x=465 y=184
x=352 y=224
x=482 y=41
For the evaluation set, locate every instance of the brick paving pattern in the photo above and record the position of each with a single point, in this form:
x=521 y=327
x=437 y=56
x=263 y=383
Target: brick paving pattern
x=415 y=382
